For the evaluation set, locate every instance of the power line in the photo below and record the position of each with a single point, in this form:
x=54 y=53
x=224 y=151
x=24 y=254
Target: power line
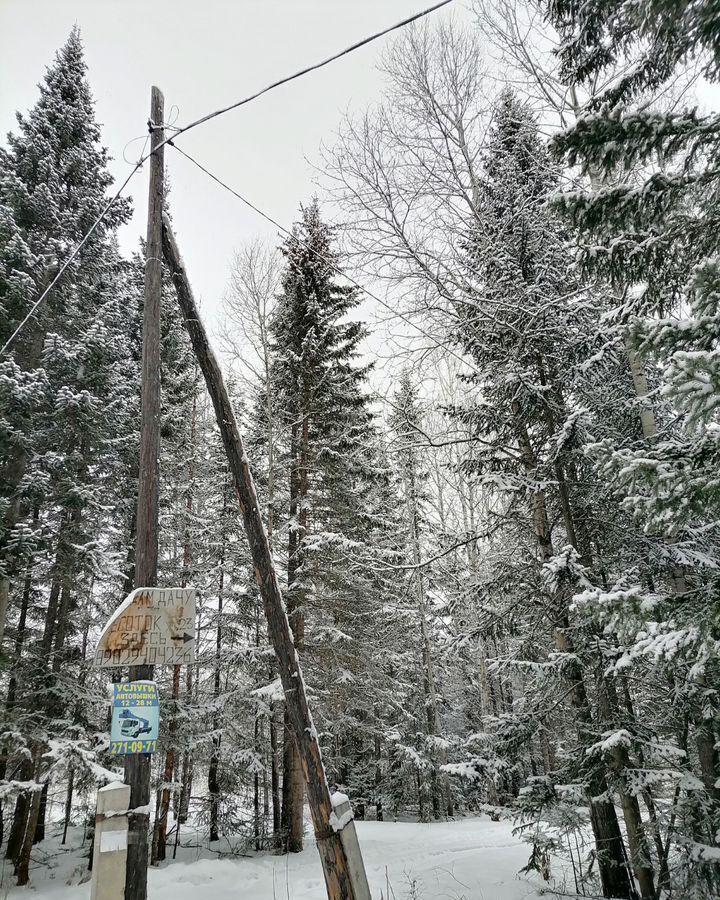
x=311 y=68
x=206 y=118
x=323 y=259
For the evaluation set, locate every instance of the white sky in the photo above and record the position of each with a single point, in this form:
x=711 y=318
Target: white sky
x=205 y=55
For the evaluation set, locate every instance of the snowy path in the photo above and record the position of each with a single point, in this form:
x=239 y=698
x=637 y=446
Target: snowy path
x=471 y=859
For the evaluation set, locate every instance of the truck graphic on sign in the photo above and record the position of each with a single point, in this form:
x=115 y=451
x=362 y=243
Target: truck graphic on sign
x=133 y=726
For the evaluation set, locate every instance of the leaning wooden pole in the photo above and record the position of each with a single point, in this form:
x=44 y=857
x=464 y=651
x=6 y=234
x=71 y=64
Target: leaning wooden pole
x=344 y=878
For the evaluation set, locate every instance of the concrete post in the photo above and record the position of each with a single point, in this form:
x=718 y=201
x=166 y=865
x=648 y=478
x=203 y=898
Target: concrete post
x=342 y=820
x=111 y=841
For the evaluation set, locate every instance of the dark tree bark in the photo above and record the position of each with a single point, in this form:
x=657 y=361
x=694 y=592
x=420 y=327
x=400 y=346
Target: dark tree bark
x=39 y=834
x=137 y=767
x=22 y=805
x=23 y=863
x=213 y=780
x=158 y=851
x=276 y=720
x=291 y=822
x=13 y=680
x=186 y=781
x=293 y=785
x=68 y=804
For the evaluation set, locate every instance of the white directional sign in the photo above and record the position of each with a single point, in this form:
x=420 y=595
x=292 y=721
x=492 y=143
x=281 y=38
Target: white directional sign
x=153 y=627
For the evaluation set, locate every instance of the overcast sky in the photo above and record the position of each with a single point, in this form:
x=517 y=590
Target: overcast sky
x=205 y=54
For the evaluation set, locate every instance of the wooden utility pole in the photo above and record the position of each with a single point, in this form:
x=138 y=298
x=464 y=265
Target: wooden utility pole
x=342 y=863
x=137 y=767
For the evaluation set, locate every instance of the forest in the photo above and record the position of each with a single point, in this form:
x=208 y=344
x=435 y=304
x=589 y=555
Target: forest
x=478 y=385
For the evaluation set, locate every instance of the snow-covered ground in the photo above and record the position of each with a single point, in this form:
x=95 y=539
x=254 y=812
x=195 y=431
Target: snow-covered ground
x=469 y=859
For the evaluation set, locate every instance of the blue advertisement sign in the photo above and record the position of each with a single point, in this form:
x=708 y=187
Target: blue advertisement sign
x=135 y=718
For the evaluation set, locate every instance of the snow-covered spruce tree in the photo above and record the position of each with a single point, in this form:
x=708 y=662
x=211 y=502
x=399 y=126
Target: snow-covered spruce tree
x=79 y=471
x=526 y=324
x=326 y=443
x=53 y=179
x=656 y=241
x=57 y=452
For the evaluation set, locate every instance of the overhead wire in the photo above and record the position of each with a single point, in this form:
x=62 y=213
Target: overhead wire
x=141 y=137
x=313 y=67
x=206 y=118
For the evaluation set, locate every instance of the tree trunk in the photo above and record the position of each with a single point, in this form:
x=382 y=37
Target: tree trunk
x=214 y=791
x=23 y=864
x=378 y=780
x=42 y=813
x=158 y=851
x=257 y=734
x=603 y=818
x=276 y=723
x=187 y=763
x=19 y=638
x=22 y=806
x=48 y=635
x=12 y=682
x=257 y=830
x=64 y=609
x=293 y=784
x=188 y=766
x=68 y=804
x=292 y=792
x=213 y=782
